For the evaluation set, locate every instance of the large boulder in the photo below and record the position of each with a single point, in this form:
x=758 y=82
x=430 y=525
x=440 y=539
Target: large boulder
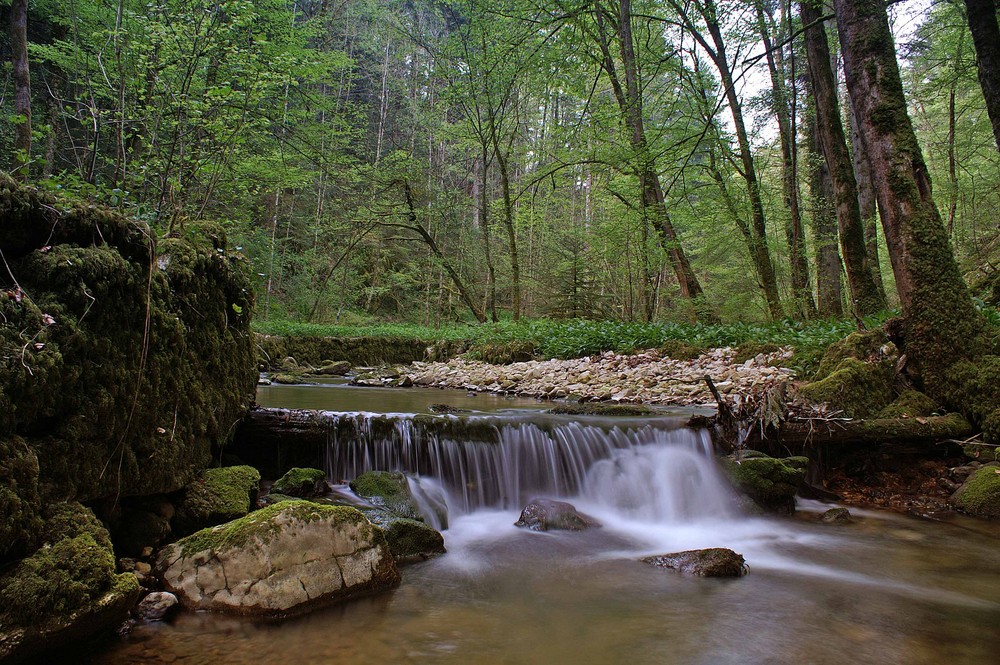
x=770 y=483
x=550 y=515
x=66 y=590
x=282 y=559
x=711 y=562
x=980 y=494
x=217 y=496
x=301 y=482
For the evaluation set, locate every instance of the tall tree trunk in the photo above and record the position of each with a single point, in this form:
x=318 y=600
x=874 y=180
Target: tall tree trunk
x=490 y=304
x=866 y=198
x=865 y=295
x=982 y=16
x=940 y=323
x=783 y=113
x=22 y=86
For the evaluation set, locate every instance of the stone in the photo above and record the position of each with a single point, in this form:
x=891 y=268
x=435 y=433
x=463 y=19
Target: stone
x=155 y=606
x=979 y=496
x=339 y=368
x=836 y=516
x=771 y=483
x=408 y=539
x=301 y=482
x=282 y=559
x=217 y=496
x=711 y=562
x=388 y=490
x=550 y=515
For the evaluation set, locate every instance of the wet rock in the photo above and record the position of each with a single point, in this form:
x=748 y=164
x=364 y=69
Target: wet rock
x=374 y=378
x=771 y=483
x=155 y=606
x=601 y=409
x=339 y=368
x=549 y=515
x=836 y=516
x=388 y=490
x=408 y=539
x=301 y=483
x=287 y=379
x=445 y=408
x=217 y=496
x=980 y=495
x=282 y=559
x=711 y=562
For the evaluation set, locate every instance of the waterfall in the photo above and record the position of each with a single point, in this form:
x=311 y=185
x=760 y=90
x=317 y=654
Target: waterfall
x=652 y=467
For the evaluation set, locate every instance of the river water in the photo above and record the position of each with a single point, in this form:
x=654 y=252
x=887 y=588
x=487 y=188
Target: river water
x=888 y=588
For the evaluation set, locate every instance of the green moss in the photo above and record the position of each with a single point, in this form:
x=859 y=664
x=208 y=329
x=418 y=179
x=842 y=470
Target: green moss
x=770 y=482
x=972 y=388
x=982 y=452
x=980 y=495
x=300 y=482
x=601 y=409
x=73 y=569
x=19 y=498
x=218 y=495
x=680 y=350
x=857 y=388
x=864 y=346
x=388 y=490
x=407 y=538
x=910 y=403
x=360 y=351
x=260 y=525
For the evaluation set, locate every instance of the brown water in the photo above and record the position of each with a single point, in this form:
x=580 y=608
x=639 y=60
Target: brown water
x=886 y=589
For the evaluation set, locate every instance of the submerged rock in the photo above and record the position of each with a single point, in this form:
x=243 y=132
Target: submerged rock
x=711 y=562
x=285 y=558
x=408 y=539
x=66 y=590
x=836 y=516
x=155 y=606
x=301 y=482
x=979 y=496
x=771 y=483
x=218 y=496
x=550 y=515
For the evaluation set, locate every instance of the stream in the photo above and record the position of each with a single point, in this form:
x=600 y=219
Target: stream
x=888 y=588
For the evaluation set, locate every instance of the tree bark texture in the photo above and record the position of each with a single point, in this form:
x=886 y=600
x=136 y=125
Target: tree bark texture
x=982 y=17
x=866 y=199
x=940 y=323
x=865 y=296
x=22 y=86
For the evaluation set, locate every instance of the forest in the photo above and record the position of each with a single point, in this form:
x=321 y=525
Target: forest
x=460 y=160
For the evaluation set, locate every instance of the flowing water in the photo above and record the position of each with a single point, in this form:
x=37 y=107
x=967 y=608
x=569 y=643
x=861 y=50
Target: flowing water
x=886 y=589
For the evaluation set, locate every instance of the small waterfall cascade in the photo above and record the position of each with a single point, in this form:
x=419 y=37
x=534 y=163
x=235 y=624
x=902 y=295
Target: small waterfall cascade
x=648 y=468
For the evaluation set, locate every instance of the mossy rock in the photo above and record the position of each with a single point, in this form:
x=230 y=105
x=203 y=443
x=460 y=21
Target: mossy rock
x=971 y=387
x=132 y=360
x=271 y=498
x=505 y=353
x=771 y=483
x=389 y=490
x=218 y=496
x=910 y=403
x=19 y=497
x=301 y=482
x=711 y=562
x=601 y=409
x=980 y=495
x=287 y=378
x=66 y=589
x=859 y=389
x=680 y=350
x=332 y=368
x=866 y=346
x=408 y=538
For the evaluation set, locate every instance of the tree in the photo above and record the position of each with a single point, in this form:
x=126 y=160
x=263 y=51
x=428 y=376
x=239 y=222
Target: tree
x=942 y=331
x=22 y=86
x=865 y=295
x=982 y=17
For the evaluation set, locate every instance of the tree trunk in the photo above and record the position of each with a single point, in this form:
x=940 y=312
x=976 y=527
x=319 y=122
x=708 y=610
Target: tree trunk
x=865 y=295
x=22 y=86
x=866 y=199
x=982 y=16
x=828 y=289
x=783 y=113
x=940 y=323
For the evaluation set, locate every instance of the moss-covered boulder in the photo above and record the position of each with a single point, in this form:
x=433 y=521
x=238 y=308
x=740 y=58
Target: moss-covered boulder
x=124 y=359
x=389 y=490
x=332 y=368
x=19 y=498
x=711 y=562
x=217 y=496
x=66 y=590
x=408 y=539
x=282 y=559
x=770 y=483
x=980 y=494
x=869 y=346
x=301 y=482
x=857 y=388
x=910 y=404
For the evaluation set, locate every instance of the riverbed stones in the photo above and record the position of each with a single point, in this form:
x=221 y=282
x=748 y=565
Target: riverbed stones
x=980 y=494
x=550 y=515
x=711 y=562
x=648 y=377
x=282 y=559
